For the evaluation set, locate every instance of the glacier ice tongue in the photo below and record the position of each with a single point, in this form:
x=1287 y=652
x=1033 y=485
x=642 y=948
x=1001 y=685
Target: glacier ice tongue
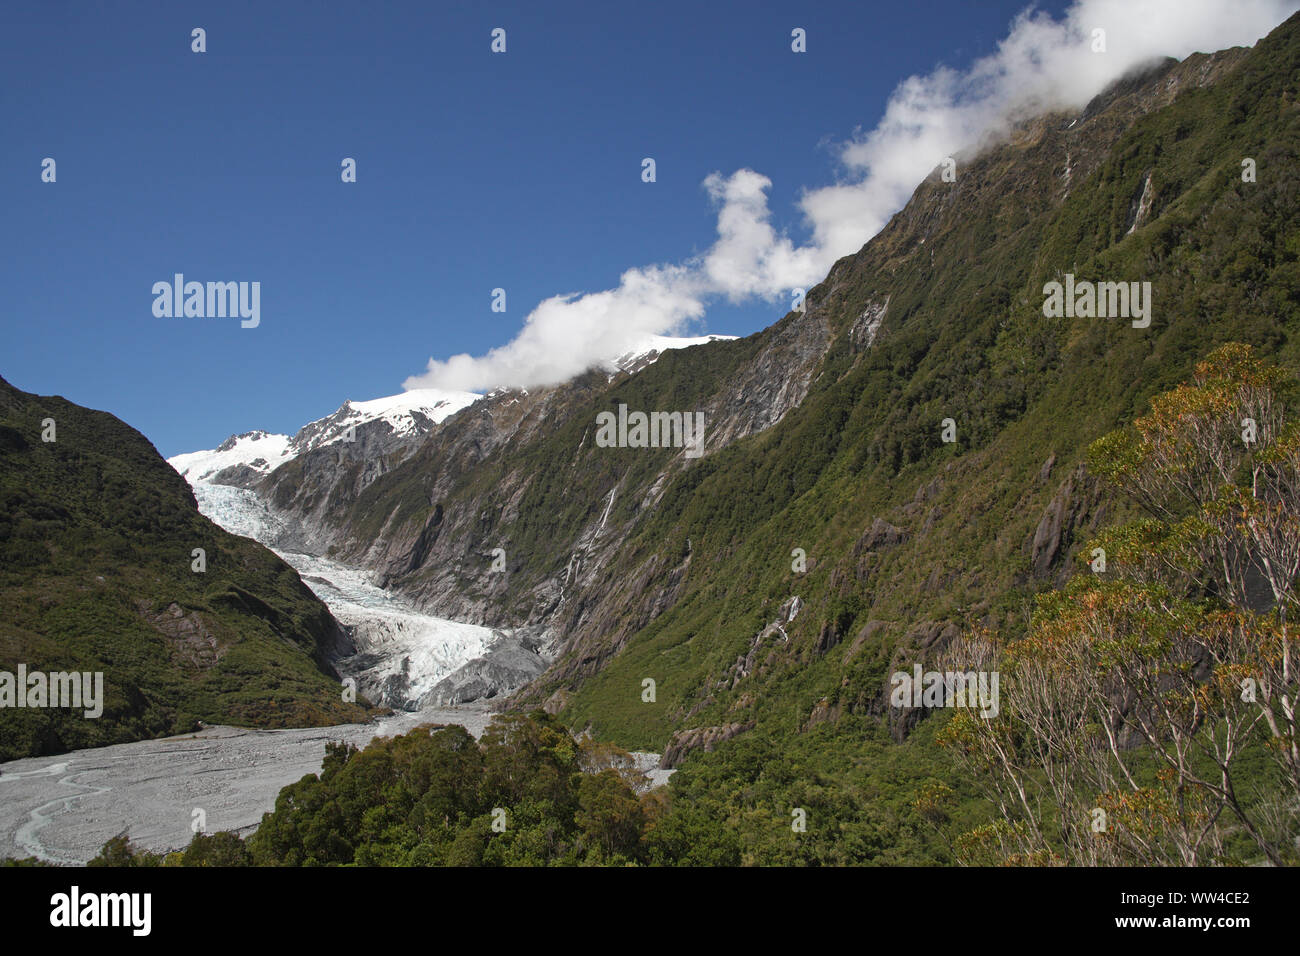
x=402 y=653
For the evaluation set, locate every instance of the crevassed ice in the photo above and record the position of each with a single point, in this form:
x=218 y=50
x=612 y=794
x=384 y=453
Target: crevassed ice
x=420 y=647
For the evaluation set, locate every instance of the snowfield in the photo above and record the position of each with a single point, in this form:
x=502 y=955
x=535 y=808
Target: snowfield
x=259 y=450
x=398 y=411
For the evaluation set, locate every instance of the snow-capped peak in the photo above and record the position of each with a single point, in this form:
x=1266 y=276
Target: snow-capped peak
x=405 y=414
x=648 y=350
x=253 y=454
x=259 y=451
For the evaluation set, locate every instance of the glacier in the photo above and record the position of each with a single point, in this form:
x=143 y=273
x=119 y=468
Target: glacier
x=402 y=654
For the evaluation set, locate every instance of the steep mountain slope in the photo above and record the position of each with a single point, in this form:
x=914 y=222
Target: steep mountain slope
x=345 y=451
x=97 y=536
x=910 y=538
x=824 y=432
x=485 y=464
x=652 y=348
x=901 y=461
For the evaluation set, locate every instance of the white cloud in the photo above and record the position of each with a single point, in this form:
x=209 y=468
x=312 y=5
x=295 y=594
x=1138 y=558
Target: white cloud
x=1041 y=64
x=567 y=334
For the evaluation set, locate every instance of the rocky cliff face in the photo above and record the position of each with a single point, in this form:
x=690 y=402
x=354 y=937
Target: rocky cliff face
x=361 y=504
x=431 y=514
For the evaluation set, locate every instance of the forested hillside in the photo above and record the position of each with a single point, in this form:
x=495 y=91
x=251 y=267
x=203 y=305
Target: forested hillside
x=98 y=573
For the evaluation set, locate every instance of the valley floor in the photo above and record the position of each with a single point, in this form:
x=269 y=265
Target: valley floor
x=63 y=809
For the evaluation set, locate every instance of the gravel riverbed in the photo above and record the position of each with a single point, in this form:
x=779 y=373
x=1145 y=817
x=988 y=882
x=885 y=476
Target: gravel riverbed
x=64 y=808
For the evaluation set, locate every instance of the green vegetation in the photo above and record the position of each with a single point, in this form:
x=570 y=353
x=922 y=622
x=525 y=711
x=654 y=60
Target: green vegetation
x=96 y=541
x=528 y=794
x=964 y=337
x=910 y=541
x=1176 y=640
x=1147 y=718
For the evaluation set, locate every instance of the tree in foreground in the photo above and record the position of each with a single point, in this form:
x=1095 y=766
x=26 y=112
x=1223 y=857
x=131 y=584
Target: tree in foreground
x=1149 y=716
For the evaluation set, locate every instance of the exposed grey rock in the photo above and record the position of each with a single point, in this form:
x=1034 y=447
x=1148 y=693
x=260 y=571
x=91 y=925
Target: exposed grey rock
x=507 y=666
x=698 y=738
x=1071 y=509
x=863 y=334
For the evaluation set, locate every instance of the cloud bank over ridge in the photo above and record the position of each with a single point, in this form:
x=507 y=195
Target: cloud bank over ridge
x=1041 y=64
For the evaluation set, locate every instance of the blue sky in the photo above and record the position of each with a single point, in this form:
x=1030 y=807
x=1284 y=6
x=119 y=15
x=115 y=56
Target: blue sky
x=475 y=171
